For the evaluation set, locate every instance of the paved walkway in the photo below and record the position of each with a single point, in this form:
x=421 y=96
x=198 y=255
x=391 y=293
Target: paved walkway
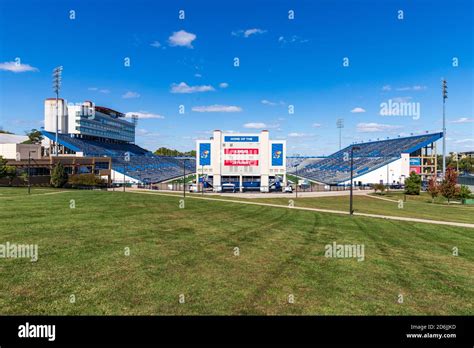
x=387 y=217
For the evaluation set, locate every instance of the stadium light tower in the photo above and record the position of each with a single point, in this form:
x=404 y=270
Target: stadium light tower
x=353 y=148
x=57 y=73
x=445 y=96
x=340 y=125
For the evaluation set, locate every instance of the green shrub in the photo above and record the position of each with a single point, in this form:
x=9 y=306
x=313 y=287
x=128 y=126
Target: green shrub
x=413 y=184
x=379 y=187
x=77 y=180
x=464 y=192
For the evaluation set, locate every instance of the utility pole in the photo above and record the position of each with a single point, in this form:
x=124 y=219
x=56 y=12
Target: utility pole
x=351 y=211
x=340 y=125
x=57 y=75
x=445 y=96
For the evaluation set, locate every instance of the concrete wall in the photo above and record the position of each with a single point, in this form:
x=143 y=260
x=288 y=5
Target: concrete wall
x=20 y=151
x=397 y=171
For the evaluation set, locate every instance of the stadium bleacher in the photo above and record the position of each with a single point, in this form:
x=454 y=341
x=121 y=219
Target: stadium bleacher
x=142 y=165
x=371 y=155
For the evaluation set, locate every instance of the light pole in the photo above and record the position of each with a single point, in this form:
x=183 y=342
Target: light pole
x=356 y=148
x=29 y=161
x=184 y=177
x=296 y=180
x=57 y=73
x=340 y=125
x=445 y=96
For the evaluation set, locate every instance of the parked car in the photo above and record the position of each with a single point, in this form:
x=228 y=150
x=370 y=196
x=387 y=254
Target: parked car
x=193 y=188
x=288 y=189
x=228 y=187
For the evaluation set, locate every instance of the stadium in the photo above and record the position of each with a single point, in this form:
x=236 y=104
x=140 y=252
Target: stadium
x=162 y=179
x=103 y=139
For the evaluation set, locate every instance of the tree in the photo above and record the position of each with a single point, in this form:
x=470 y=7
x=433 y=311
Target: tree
x=58 y=176
x=163 y=151
x=3 y=167
x=464 y=192
x=11 y=174
x=413 y=184
x=448 y=186
x=433 y=187
x=34 y=137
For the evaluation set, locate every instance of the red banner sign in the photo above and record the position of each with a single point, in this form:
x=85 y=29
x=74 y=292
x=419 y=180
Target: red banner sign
x=417 y=170
x=241 y=151
x=241 y=162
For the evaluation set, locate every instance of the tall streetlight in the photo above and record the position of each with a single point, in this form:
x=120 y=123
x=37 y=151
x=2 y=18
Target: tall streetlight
x=57 y=73
x=296 y=179
x=340 y=125
x=29 y=162
x=184 y=177
x=445 y=96
x=353 y=148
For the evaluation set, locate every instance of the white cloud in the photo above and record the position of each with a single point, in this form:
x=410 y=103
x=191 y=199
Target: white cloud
x=102 y=90
x=267 y=102
x=248 y=32
x=197 y=75
x=316 y=125
x=260 y=125
x=182 y=38
x=462 y=141
x=271 y=103
x=217 y=108
x=375 y=127
x=156 y=44
x=462 y=120
x=386 y=88
x=358 y=110
x=141 y=132
x=402 y=99
x=17 y=67
x=298 y=135
x=143 y=115
x=255 y=125
x=292 y=39
x=183 y=87
x=412 y=88
x=223 y=85
x=131 y=95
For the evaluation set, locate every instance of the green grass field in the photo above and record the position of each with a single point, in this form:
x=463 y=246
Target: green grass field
x=190 y=251
x=415 y=206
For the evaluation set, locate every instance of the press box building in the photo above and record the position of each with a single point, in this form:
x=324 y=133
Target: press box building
x=248 y=161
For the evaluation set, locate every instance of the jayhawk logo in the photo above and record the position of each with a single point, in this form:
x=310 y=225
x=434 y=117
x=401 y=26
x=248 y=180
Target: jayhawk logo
x=277 y=154
x=205 y=154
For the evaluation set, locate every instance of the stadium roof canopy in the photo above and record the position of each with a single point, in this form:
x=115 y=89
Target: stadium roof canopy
x=371 y=155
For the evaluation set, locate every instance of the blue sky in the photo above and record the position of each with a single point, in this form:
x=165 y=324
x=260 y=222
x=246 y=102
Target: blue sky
x=283 y=62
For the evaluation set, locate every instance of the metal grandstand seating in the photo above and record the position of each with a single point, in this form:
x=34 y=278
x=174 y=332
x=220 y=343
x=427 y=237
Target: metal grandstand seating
x=334 y=169
x=143 y=165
